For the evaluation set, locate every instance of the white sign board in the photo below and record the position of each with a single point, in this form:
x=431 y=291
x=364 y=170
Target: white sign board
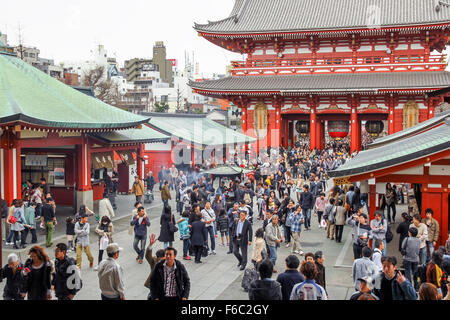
x=36 y=160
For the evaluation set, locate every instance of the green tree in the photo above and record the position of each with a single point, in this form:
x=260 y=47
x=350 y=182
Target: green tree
x=161 y=107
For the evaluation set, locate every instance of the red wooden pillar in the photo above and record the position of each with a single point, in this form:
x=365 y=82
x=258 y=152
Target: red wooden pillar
x=192 y=156
x=284 y=133
x=84 y=165
x=391 y=120
x=321 y=134
x=359 y=135
x=372 y=200
x=313 y=129
x=10 y=167
x=278 y=125
x=355 y=127
x=139 y=161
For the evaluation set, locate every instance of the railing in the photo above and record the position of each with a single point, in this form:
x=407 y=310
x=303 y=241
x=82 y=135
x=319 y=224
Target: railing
x=342 y=62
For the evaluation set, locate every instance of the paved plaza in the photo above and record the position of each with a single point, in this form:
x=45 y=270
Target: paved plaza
x=218 y=277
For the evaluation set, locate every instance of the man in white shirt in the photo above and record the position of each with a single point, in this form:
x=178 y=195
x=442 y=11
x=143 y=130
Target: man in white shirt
x=208 y=217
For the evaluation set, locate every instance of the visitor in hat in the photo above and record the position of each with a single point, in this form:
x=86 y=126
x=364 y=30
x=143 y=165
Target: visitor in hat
x=110 y=275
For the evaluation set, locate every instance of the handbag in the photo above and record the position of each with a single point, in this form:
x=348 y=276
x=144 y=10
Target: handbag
x=172 y=227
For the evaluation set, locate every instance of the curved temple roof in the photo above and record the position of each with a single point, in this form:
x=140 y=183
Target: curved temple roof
x=328 y=82
x=270 y=16
x=196 y=129
x=31 y=96
x=401 y=151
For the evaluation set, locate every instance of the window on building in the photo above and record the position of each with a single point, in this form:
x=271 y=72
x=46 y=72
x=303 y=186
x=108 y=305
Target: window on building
x=25 y=54
x=35 y=173
x=32 y=55
x=164 y=98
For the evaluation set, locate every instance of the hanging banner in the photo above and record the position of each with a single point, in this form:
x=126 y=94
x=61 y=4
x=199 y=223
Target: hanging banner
x=103 y=160
x=36 y=160
x=127 y=156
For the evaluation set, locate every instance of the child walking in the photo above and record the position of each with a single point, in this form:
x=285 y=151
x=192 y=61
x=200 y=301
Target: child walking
x=70 y=233
x=222 y=222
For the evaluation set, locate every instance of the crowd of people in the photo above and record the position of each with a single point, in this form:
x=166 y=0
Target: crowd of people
x=284 y=192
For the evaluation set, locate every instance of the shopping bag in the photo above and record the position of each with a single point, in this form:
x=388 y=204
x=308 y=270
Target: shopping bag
x=323 y=223
x=104 y=241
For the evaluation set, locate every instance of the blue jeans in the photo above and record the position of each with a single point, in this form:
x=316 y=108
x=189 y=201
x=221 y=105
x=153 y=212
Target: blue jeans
x=423 y=255
x=139 y=250
x=186 y=246
x=410 y=271
x=273 y=254
x=431 y=248
x=210 y=230
x=168 y=244
x=307 y=215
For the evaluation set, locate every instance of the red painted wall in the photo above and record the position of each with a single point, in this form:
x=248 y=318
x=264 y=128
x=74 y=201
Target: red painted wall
x=439 y=203
x=63 y=196
x=156 y=159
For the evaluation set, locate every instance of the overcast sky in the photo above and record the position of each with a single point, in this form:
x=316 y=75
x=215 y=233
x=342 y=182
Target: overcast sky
x=68 y=30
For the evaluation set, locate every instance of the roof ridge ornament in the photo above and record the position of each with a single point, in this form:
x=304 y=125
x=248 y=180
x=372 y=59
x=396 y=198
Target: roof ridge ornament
x=439 y=4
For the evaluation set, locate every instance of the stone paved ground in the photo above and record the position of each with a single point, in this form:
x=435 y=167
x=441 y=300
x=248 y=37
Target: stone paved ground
x=218 y=277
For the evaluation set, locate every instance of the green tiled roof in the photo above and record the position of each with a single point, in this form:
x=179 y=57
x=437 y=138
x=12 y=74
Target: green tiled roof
x=143 y=135
x=227 y=171
x=422 y=126
x=196 y=129
x=31 y=96
x=388 y=155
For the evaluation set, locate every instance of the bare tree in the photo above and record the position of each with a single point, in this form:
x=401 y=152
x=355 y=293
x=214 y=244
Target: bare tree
x=105 y=90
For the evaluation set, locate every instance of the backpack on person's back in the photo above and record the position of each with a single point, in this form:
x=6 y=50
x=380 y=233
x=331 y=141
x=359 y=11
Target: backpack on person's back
x=250 y=275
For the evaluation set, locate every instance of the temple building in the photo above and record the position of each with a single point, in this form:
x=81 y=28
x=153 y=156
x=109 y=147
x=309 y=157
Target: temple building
x=51 y=130
x=326 y=67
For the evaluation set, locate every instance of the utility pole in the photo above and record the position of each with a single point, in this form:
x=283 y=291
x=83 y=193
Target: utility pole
x=20 y=48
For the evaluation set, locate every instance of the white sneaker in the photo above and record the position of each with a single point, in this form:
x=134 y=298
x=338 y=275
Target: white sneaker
x=96 y=268
x=287 y=245
x=213 y=252
x=301 y=253
x=296 y=251
x=9 y=243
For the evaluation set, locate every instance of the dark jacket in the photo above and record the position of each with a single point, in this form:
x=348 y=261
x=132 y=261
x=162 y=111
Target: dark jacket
x=183 y=283
x=41 y=276
x=15 y=282
x=247 y=232
x=402 y=229
x=199 y=233
x=265 y=290
x=222 y=223
x=4 y=208
x=288 y=280
x=400 y=291
x=140 y=230
x=63 y=270
x=48 y=212
x=232 y=217
x=165 y=235
x=70 y=228
x=320 y=277
x=306 y=200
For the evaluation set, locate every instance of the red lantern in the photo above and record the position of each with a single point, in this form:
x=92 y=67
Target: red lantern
x=338 y=129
